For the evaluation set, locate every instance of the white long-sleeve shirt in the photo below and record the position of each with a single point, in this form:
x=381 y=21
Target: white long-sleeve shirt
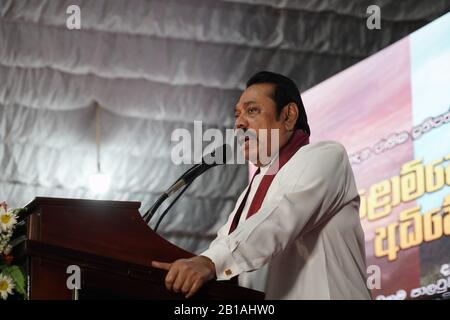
x=307 y=230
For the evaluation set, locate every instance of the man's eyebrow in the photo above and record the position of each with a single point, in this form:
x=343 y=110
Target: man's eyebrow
x=246 y=104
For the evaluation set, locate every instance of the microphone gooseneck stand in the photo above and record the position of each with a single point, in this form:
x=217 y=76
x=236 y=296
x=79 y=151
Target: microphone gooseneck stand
x=151 y=212
x=184 y=181
x=170 y=206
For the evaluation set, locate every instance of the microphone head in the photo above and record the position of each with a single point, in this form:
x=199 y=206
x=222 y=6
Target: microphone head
x=218 y=156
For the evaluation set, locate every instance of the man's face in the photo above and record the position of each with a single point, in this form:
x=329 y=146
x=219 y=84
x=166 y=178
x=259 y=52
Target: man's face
x=256 y=110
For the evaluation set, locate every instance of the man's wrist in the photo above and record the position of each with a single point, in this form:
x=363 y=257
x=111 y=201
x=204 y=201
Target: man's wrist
x=209 y=263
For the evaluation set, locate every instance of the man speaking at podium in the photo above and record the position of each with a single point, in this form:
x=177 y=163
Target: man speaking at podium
x=300 y=223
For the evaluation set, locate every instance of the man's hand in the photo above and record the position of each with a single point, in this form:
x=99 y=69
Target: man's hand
x=187 y=275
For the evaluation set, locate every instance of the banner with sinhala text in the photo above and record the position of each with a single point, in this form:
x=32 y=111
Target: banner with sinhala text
x=392 y=113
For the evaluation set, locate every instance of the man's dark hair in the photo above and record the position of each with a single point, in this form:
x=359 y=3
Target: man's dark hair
x=285 y=91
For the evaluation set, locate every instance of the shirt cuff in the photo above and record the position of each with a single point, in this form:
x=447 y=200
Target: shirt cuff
x=226 y=266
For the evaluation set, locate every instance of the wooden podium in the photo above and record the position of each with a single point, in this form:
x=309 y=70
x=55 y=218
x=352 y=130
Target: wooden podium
x=113 y=247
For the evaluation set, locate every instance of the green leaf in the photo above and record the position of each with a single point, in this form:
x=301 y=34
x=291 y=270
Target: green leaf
x=17 y=275
x=19 y=211
x=17 y=240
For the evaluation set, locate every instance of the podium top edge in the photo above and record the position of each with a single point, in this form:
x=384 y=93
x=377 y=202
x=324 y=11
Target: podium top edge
x=39 y=201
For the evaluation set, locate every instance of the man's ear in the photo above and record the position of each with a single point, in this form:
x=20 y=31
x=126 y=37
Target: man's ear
x=290 y=114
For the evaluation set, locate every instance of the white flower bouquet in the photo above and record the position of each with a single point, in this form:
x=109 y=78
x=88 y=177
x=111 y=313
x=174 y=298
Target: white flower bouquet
x=12 y=279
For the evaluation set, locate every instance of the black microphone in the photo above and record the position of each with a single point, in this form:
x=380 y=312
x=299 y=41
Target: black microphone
x=217 y=157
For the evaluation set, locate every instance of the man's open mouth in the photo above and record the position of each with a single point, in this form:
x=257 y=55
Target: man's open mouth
x=244 y=138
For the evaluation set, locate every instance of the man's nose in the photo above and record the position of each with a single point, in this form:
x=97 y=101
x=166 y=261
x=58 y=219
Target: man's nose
x=240 y=122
